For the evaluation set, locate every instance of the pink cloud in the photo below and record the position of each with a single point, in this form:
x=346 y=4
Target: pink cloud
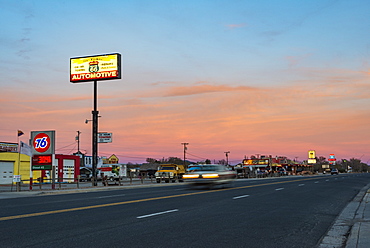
x=234 y=26
x=327 y=113
x=203 y=89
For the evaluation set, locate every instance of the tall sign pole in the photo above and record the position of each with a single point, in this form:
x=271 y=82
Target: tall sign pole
x=95 y=68
x=95 y=118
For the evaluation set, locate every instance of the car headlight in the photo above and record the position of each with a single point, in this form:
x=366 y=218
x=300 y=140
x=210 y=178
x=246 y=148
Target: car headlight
x=189 y=176
x=214 y=175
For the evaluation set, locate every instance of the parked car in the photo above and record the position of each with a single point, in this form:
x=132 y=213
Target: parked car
x=261 y=173
x=283 y=172
x=85 y=177
x=209 y=175
x=334 y=171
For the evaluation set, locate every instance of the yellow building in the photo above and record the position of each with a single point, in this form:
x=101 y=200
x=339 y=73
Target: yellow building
x=13 y=163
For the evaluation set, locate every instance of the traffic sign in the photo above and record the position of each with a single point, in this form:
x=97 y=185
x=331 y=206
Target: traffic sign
x=17 y=178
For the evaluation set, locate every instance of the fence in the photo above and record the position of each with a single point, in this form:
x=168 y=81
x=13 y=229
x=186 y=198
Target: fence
x=45 y=184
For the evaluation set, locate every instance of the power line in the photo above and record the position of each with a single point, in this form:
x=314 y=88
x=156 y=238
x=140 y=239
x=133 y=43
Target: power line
x=61 y=148
x=196 y=156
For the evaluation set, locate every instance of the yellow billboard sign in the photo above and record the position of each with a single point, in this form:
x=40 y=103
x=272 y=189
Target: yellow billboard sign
x=312 y=154
x=94 y=68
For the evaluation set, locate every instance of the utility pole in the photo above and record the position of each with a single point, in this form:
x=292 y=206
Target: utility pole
x=227 y=158
x=78 y=141
x=185 y=148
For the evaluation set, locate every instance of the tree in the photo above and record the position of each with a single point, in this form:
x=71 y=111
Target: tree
x=320 y=161
x=222 y=161
x=175 y=160
x=152 y=161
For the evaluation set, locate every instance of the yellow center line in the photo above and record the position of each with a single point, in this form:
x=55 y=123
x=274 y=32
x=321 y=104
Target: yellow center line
x=136 y=201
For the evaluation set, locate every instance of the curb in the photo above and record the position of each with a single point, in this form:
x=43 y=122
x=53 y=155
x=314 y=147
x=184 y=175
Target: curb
x=348 y=227
x=360 y=232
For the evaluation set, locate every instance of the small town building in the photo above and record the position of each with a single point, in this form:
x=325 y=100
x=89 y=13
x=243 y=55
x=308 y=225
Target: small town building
x=13 y=163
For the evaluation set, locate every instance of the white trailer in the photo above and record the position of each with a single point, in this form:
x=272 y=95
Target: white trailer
x=113 y=172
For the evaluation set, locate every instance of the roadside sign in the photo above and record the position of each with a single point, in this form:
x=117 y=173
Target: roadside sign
x=43 y=142
x=104 y=137
x=96 y=67
x=42 y=162
x=16 y=178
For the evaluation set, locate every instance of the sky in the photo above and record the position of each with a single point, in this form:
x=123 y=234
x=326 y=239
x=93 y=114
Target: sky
x=251 y=77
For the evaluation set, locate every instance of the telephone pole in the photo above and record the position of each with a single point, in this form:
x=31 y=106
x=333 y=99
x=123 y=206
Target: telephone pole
x=78 y=141
x=185 y=148
x=227 y=158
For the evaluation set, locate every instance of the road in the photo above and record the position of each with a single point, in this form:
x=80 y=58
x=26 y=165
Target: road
x=280 y=212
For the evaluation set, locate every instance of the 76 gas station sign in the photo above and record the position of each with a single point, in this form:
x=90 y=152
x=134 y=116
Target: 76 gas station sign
x=43 y=148
x=43 y=142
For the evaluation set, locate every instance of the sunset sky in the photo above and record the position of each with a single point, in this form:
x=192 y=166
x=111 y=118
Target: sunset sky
x=251 y=77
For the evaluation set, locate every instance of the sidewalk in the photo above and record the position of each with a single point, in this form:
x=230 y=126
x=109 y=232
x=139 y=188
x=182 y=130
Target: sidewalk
x=6 y=193
x=352 y=227
x=360 y=233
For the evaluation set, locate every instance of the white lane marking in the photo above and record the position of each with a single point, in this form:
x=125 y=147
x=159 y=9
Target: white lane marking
x=279 y=189
x=108 y=196
x=317 y=182
x=327 y=180
x=238 y=197
x=301 y=185
x=150 y=215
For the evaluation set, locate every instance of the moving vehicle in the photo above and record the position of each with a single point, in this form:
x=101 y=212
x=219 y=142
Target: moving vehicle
x=334 y=171
x=113 y=172
x=169 y=172
x=209 y=174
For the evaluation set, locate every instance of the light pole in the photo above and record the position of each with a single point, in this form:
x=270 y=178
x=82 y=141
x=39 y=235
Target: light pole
x=185 y=148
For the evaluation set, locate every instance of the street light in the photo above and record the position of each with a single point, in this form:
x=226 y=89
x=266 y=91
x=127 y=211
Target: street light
x=87 y=121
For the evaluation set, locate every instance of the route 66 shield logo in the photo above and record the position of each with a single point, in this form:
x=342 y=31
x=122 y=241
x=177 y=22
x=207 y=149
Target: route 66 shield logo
x=94 y=66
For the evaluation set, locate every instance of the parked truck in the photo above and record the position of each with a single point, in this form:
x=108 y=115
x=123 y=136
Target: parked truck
x=169 y=172
x=113 y=172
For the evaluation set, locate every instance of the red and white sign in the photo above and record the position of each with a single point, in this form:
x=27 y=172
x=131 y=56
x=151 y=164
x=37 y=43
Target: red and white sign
x=104 y=137
x=41 y=142
x=332 y=157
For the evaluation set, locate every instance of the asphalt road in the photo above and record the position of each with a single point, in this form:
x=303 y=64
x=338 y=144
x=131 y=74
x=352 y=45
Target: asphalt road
x=282 y=212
